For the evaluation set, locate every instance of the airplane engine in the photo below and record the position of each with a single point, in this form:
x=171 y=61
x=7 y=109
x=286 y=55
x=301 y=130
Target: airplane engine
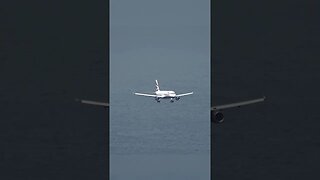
x=217 y=117
x=177 y=98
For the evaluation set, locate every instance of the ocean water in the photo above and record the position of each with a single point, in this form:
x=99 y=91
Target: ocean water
x=149 y=140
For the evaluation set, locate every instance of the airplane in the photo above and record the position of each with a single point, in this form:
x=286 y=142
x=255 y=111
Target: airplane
x=160 y=94
x=96 y=103
x=216 y=115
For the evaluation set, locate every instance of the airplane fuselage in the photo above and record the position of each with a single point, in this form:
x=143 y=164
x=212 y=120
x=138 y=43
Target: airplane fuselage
x=165 y=94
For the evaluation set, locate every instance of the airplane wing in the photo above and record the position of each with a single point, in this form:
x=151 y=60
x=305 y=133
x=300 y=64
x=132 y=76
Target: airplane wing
x=148 y=95
x=185 y=94
x=96 y=103
x=238 y=104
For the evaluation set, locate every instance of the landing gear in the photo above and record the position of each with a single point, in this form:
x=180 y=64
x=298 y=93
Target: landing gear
x=177 y=98
x=157 y=99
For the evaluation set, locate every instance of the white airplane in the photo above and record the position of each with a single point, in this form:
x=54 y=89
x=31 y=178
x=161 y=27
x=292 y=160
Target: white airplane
x=216 y=115
x=159 y=94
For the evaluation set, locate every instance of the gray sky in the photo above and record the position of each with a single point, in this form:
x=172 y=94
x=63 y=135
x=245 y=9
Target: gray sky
x=158 y=39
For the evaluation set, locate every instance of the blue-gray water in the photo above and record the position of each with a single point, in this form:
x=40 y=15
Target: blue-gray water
x=171 y=135
x=148 y=41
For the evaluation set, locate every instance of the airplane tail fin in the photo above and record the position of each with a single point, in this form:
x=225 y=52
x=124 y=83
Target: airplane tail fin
x=157 y=86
